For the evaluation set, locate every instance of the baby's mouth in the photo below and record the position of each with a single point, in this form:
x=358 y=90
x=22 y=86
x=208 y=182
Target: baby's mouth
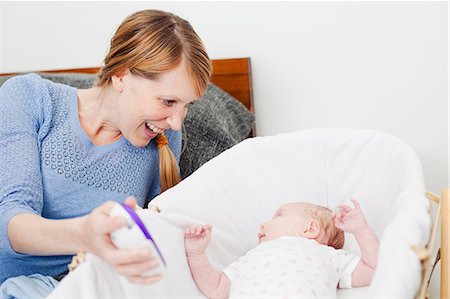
x=261 y=235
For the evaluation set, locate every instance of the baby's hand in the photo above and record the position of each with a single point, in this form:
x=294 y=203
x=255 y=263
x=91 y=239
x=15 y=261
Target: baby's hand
x=196 y=239
x=350 y=220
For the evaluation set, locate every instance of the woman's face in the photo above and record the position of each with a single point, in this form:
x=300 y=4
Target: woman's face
x=147 y=107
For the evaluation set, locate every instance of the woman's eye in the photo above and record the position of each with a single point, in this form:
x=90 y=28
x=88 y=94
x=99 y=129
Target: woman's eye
x=168 y=102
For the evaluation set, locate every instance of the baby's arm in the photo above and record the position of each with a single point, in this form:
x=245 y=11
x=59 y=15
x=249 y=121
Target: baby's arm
x=353 y=221
x=212 y=283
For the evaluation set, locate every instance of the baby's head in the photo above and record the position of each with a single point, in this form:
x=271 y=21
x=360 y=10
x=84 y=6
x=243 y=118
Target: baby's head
x=304 y=220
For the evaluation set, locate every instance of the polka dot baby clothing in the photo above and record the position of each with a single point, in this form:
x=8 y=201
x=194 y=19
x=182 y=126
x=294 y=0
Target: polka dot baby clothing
x=291 y=267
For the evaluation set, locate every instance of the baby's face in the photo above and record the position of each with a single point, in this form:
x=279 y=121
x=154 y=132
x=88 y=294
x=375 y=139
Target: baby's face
x=289 y=220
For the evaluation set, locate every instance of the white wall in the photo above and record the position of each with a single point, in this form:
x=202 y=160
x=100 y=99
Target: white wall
x=376 y=65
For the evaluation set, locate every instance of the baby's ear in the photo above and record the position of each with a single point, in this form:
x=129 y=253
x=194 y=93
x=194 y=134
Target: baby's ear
x=312 y=229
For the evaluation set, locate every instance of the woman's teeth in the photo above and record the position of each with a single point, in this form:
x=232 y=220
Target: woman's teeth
x=153 y=128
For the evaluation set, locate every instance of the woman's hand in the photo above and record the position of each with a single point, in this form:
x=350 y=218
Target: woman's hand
x=196 y=239
x=95 y=231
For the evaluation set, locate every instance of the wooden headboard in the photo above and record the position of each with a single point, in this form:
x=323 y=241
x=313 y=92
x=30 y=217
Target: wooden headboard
x=232 y=75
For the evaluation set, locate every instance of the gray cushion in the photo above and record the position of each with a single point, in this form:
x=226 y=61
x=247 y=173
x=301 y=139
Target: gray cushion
x=76 y=80
x=213 y=124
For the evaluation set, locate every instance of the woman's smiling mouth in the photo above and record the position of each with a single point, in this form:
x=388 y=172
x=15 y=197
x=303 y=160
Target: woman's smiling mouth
x=152 y=128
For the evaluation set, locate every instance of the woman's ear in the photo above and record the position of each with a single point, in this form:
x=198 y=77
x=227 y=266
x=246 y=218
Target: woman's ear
x=312 y=229
x=118 y=81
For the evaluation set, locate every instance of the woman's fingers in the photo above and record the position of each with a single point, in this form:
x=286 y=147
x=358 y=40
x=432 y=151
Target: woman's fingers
x=105 y=208
x=135 y=269
x=144 y=279
x=131 y=202
x=100 y=222
x=128 y=256
x=111 y=224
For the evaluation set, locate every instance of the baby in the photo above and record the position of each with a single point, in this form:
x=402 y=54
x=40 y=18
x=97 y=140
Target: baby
x=299 y=255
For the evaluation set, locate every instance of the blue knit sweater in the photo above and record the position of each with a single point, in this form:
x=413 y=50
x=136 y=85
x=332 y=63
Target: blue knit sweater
x=50 y=167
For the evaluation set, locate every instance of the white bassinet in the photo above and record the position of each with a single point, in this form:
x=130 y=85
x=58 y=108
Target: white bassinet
x=242 y=187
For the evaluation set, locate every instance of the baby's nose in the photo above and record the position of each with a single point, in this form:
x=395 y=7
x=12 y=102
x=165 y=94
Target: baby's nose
x=262 y=227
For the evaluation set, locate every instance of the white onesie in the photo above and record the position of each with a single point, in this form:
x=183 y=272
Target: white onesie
x=291 y=267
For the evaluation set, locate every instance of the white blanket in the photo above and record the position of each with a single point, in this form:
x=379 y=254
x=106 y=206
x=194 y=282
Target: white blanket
x=242 y=187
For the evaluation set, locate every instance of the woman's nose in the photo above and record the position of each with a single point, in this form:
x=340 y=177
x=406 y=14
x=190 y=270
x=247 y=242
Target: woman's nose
x=176 y=119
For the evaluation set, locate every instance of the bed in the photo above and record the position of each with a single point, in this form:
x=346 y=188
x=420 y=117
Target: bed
x=324 y=166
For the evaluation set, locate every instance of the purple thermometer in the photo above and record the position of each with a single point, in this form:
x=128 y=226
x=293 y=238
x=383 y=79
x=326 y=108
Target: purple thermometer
x=135 y=235
x=144 y=230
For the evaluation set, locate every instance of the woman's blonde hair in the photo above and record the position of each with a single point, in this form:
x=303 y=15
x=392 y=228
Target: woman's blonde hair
x=149 y=43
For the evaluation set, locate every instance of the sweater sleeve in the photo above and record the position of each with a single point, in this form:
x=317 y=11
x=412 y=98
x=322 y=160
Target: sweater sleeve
x=20 y=177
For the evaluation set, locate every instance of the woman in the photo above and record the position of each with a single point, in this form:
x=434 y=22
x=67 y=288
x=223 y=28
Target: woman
x=66 y=152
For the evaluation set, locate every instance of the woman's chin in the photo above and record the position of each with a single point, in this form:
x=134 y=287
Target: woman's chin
x=140 y=142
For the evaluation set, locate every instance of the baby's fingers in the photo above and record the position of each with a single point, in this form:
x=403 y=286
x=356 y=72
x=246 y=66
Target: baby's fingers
x=192 y=231
x=336 y=216
x=344 y=209
x=338 y=223
x=356 y=203
x=201 y=229
x=197 y=230
x=340 y=214
x=188 y=232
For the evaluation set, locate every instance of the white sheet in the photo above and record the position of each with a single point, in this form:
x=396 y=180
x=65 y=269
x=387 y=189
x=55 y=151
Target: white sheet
x=242 y=187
